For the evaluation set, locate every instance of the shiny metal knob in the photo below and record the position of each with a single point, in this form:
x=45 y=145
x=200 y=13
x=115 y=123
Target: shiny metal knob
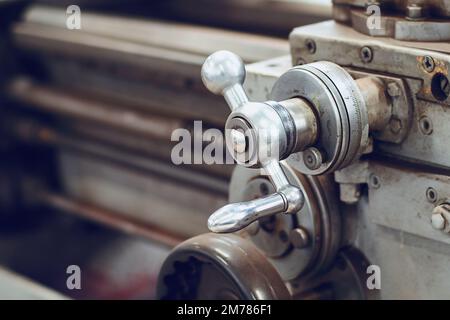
x=224 y=73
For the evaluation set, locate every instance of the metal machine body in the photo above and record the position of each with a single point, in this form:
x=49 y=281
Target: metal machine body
x=371 y=166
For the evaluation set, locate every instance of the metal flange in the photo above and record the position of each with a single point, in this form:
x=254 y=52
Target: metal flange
x=340 y=108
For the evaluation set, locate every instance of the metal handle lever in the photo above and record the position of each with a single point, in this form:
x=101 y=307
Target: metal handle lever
x=224 y=73
x=236 y=216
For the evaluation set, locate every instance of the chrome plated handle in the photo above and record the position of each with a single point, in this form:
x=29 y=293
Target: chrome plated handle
x=224 y=73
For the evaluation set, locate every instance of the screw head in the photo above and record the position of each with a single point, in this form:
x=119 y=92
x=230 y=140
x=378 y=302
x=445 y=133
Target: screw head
x=440 y=217
x=428 y=64
x=313 y=158
x=437 y=221
x=299 y=237
x=395 y=125
x=366 y=54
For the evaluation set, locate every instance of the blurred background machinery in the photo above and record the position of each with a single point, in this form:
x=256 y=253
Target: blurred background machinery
x=86 y=123
x=85 y=138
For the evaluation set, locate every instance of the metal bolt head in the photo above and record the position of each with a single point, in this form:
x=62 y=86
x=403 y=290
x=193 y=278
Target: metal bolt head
x=313 y=158
x=415 y=12
x=395 y=125
x=441 y=212
x=299 y=237
x=428 y=64
x=366 y=54
x=238 y=140
x=437 y=221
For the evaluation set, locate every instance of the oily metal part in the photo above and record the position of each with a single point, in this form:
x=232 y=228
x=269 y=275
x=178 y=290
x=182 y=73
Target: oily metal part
x=299 y=82
x=319 y=217
x=342 y=45
x=340 y=107
x=355 y=108
x=236 y=266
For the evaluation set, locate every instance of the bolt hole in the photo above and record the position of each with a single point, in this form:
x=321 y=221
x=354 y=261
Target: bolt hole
x=425 y=126
x=440 y=87
x=431 y=195
x=374 y=181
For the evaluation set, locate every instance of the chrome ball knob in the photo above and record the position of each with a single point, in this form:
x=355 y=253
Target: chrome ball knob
x=222 y=70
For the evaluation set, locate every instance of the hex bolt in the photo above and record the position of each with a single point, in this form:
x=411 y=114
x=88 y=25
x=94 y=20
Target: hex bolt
x=415 y=12
x=374 y=181
x=437 y=221
x=440 y=217
x=428 y=64
x=395 y=125
x=299 y=238
x=366 y=54
x=310 y=45
x=313 y=158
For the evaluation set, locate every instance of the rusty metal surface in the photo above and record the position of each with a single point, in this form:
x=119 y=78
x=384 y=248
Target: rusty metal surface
x=342 y=45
